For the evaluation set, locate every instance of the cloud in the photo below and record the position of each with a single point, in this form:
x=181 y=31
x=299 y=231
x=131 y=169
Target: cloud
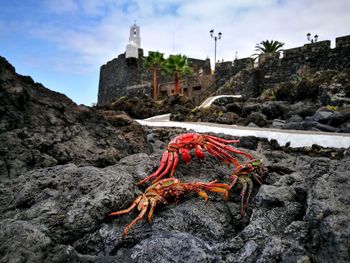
x=99 y=30
x=61 y=6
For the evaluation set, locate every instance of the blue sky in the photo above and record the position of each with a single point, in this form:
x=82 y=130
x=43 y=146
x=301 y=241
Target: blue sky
x=63 y=43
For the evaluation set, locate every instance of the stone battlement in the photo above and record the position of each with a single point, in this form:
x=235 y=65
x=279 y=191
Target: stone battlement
x=127 y=76
x=272 y=69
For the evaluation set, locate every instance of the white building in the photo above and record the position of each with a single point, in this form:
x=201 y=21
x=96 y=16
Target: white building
x=132 y=49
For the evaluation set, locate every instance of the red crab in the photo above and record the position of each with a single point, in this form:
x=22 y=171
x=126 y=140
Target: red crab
x=165 y=191
x=243 y=174
x=184 y=143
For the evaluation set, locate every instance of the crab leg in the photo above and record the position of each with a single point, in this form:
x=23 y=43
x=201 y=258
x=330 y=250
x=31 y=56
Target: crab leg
x=230 y=149
x=222 y=140
x=176 y=162
x=220 y=190
x=153 y=206
x=257 y=178
x=250 y=190
x=214 y=153
x=214 y=187
x=203 y=194
x=125 y=211
x=133 y=222
x=244 y=188
x=163 y=162
x=225 y=154
x=214 y=183
x=170 y=164
x=234 y=180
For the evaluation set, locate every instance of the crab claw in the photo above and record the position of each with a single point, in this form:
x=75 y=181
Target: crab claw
x=185 y=154
x=199 y=153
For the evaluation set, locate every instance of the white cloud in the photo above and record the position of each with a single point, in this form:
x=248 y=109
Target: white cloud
x=183 y=26
x=61 y=6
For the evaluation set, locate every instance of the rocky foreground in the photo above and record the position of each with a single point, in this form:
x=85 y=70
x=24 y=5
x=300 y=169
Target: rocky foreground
x=300 y=214
x=65 y=167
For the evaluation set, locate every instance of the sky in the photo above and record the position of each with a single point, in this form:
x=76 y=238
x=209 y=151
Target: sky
x=63 y=43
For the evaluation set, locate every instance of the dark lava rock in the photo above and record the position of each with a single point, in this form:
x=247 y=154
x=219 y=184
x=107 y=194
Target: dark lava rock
x=339 y=118
x=276 y=123
x=334 y=94
x=59 y=214
x=344 y=128
x=274 y=109
x=216 y=114
x=250 y=108
x=187 y=249
x=228 y=118
x=322 y=115
x=295 y=118
x=234 y=107
x=302 y=109
x=41 y=128
x=256 y=117
x=293 y=126
x=300 y=213
x=144 y=107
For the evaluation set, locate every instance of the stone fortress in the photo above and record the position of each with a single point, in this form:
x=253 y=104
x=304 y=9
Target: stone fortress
x=126 y=76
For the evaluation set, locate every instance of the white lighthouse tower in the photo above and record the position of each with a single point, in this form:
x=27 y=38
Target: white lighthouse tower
x=132 y=49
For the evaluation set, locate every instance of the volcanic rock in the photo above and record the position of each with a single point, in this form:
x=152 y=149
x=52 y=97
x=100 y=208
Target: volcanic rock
x=300 y=213
x=42 y=128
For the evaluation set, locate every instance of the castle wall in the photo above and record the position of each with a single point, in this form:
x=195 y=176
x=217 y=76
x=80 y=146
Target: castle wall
x=199 y=66
x=309 y=58
x=271 y=69
x=119 y=74
x=127 y=77
x=342 y=41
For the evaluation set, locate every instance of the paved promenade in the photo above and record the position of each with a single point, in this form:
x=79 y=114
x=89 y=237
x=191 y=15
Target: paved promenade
x=296 y=138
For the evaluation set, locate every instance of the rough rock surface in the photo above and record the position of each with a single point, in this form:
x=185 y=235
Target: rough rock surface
x=300 y=214
x=143 y=107
x=41 y=128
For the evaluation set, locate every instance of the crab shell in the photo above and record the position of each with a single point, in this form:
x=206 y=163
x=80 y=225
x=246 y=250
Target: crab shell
x=184 y=143
x=165 y=191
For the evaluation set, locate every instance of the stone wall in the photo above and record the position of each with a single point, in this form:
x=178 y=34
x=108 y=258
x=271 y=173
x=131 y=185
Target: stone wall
x=225 y=70
x=127 y=77
x=120 y=73
x=271 y=69
x=121 y=77
x=307 y=59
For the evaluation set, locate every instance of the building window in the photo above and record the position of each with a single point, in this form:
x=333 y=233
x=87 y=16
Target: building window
x=196 y=88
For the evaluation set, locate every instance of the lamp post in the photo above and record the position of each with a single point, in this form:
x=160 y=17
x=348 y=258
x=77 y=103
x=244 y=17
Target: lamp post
x=314 y=40
x=215 y=39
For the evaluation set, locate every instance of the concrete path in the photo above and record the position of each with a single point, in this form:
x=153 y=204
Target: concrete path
x=296 y=138
x=210 y=100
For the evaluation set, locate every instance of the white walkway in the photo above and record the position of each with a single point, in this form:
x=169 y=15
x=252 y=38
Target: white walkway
x=210 y=100
x=295 y=137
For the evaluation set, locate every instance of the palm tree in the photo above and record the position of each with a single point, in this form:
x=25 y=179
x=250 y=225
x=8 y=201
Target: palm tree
x=177 y=66
x=269 y=46
x=154 y=60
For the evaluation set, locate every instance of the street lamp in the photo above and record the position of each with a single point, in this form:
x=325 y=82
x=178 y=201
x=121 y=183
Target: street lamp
x=215 y=39
x=308 y=36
